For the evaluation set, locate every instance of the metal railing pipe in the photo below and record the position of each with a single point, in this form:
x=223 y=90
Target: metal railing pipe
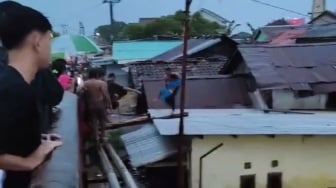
x=125 y=174
x=109 y=171
x=63 y=168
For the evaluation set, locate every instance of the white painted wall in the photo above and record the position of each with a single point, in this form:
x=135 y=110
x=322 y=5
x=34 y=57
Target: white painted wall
x=306 y=162
x=285 y=99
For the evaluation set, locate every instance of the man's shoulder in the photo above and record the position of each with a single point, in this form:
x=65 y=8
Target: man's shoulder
x=12 y=84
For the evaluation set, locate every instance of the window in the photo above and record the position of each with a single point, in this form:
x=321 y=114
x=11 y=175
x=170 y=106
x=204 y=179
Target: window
x=247 y=165
x=247 y=181
x=275 y=163
x=274 y=180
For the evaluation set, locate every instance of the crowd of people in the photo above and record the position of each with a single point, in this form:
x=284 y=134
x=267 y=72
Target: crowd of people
x=30 y=88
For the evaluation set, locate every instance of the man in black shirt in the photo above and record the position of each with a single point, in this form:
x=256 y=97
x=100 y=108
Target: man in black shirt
x=26 y=34
x=116 y=91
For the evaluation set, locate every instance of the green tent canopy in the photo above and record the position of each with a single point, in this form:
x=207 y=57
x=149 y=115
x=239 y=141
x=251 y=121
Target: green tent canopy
x=74 y=44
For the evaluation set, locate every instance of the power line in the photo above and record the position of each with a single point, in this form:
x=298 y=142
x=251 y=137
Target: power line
x=289 y=10
x=280 y=8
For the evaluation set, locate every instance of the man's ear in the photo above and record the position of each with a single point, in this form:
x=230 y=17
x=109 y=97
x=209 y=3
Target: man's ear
x=34 y=39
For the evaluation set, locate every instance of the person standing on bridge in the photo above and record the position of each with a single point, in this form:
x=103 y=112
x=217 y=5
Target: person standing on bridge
x=26 y=34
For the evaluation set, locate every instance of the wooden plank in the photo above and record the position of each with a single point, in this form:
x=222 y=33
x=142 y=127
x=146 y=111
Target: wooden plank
x=171 y=116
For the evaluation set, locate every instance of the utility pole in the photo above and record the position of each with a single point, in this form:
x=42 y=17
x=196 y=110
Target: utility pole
x=181 y=144
x=319 y=6
x=81 y=28
x=111 y=3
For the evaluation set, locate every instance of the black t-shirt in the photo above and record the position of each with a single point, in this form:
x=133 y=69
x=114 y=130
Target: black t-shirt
x=115 y=88
x=19 y=123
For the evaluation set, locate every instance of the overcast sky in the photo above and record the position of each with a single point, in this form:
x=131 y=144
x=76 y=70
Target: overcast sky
x=93 y=13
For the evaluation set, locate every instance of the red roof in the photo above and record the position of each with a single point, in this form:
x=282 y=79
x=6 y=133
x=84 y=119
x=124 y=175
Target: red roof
x=288 y=37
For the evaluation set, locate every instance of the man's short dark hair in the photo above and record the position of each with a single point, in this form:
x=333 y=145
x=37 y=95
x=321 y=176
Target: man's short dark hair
x=111 y=75
x=58 y=66
x=18 y=21
x=92 y=73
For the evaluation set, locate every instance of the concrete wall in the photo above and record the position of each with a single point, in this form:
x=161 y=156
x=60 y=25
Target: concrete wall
x=305 y=162
x=285 y=99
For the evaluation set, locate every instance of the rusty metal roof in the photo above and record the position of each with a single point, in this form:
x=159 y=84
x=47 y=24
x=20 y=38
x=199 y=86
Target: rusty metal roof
x=288 y=37
x=268 y=33
x=156 y=71
x=294 y=67
x=222 y=92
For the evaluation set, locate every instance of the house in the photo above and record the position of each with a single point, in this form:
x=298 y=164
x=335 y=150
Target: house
x=282 y=35
x=268 y=33
x=318 y=34
x=131 y=51
x=242 y=37
x=200 y=48
x=248 y=148
x=325 y=17
x=213 y=17
x=230 y=144
x=289 y=77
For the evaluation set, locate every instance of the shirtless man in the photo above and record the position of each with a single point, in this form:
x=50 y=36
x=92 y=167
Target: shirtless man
x=97 y=96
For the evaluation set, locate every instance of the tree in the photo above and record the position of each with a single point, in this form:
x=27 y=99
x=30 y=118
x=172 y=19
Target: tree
x=108 y=32
x=172 y=25
x=163 y=26
x=201 y=26
x=56 y=34
x=132 y=32
x=278 y=22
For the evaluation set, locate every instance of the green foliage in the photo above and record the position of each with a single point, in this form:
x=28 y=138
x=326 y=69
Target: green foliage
x=172 y=25
x=132 y=32
x=201 y=26
x=108 y=32
x=163 y=26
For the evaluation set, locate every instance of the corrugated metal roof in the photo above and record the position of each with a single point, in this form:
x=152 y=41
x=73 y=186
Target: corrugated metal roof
x=141 y=50
x=247 y=122
x=288 y=37
x=215 y=16
x=291 y=65
x=268 y=33
x=146 y=145
x=204 y=93
x=194 y=46
x=322 y=31
x=156 y=71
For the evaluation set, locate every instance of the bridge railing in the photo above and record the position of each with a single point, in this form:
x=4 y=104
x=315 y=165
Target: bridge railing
x=63 y=169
